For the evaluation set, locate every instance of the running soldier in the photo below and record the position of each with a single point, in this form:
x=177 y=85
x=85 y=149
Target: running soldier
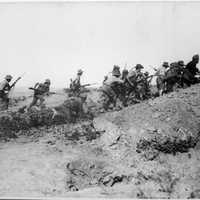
x=5 y=87
x=40 y=91
x=75 y=86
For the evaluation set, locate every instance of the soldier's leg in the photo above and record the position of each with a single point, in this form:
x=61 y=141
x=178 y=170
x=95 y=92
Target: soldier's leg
x=73 y=116
x=113 y=100
x=104 y=100
x=41 y=100
x=34 y=102
x=3 y=104
x=164 y=86
x=7 y=102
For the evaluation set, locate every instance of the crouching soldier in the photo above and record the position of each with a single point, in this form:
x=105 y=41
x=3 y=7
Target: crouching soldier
x=4 y=92
x=40 y=91
x=192 y=70
x=110 y=90
x=72 y=109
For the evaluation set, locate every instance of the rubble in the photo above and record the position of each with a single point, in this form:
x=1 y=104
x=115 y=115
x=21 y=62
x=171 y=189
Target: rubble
x=168 y=144
x=84 y=173
x=15 y=121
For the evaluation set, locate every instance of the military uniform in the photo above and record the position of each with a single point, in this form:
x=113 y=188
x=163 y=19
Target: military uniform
x=4 y=92
x=147 y=82
x=135 y=75
x=124 y=74
x=41 y=89
x=136 y=80
x=192 y=69
x=75 y=87
x=110 y=90
x=160 y=81
x=140 y=82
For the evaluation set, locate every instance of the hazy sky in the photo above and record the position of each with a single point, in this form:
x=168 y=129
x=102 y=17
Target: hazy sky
x=53 y=40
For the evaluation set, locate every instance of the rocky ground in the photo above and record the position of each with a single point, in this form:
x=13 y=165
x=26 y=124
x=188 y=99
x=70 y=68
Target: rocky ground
x=148 y=150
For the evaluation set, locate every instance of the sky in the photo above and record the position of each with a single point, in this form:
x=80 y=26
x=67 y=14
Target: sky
x=54 y=40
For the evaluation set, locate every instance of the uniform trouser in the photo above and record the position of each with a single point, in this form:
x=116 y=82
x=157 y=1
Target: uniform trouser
x=141 y=92
x=107 y=100
x=160 y=84
x=4 y=102
x=35 y=100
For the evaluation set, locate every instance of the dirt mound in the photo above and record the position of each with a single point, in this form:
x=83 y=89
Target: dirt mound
x=15 y=121
x=150 y=140
x=12 y=122
x=169 y=125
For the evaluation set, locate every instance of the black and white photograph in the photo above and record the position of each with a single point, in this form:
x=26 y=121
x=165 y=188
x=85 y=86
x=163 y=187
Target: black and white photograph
x=100 y=99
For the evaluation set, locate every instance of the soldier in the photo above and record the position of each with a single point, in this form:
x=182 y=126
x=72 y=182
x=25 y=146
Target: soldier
x=173 y=75
x=181 y=64
x=73 y=108
x=76 y=84
x=110 y=90
x=4 y=92
x=160 y=73
x=192 y=69
x=40 y=90
x=140 y=82
x=124 y=74
x=136 y=73
x=148 y=80
x=132 y=82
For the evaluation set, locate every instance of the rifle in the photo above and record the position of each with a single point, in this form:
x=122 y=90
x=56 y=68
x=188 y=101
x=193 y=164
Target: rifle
x=17 y=80
x=150 y=76
x=13 y=85
x=86 y=85
x=49 y=93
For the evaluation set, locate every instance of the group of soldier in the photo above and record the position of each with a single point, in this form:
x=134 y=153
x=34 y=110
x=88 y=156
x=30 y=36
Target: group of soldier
x=177 y=75
x=121 y=86
x=73 y=105
x=125 y=87
x=134 y=85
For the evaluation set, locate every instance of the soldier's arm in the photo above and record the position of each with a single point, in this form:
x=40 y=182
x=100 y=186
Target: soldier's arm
x=47 y=92
x=197 y=70
x=155 y=69
x=36 y=85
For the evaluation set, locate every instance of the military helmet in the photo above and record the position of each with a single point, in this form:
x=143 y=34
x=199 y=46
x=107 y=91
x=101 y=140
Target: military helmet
x=139 y=66
x=195 y=57
x=47 y=81
x=116 y=72
x=116 y=67
x=8 y=77
x=165 y=64
x=80 y=71
x=181 y=62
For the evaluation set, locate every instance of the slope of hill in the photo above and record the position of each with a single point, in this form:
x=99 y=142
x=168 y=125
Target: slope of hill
x=148 y=150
